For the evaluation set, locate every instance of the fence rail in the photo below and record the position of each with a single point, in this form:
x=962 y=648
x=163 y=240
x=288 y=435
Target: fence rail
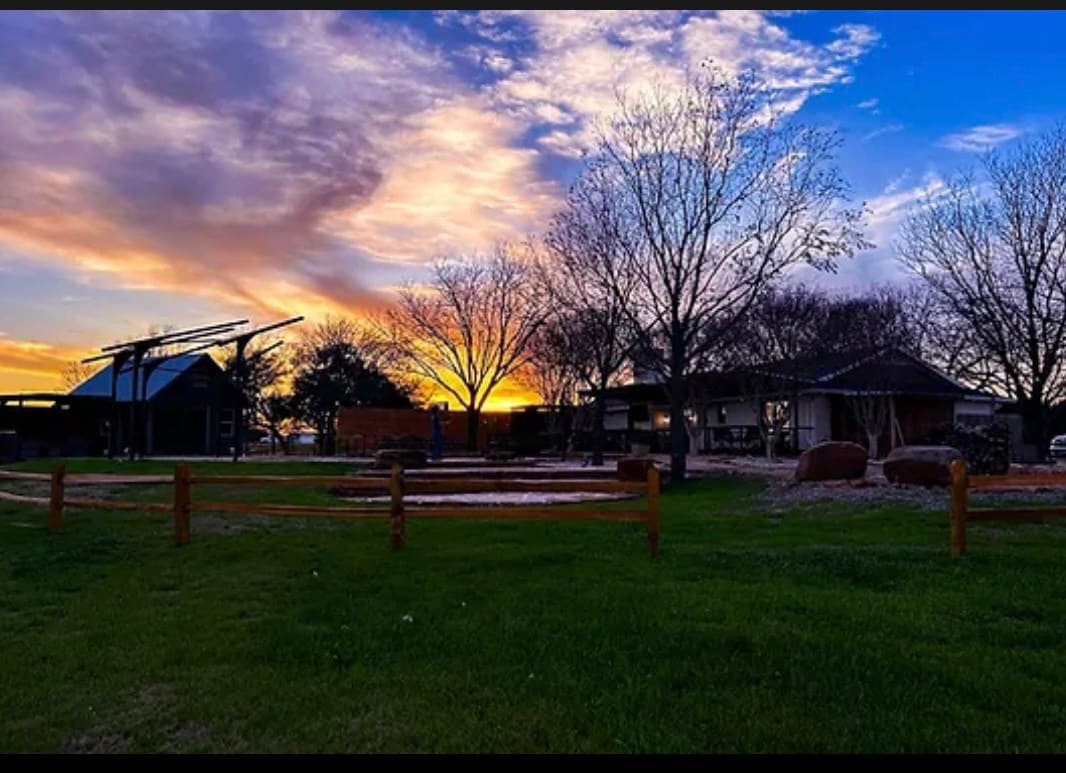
x=961 y=512
x=89 y=478
x=396 y=512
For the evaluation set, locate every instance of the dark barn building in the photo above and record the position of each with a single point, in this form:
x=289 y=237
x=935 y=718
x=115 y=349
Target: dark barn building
x=189 y=406
x=48 y=424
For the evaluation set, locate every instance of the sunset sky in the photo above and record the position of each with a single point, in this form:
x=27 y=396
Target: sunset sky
x=184 y=168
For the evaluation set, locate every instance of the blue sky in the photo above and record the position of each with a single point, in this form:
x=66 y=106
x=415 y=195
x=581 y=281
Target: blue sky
x=176 y=168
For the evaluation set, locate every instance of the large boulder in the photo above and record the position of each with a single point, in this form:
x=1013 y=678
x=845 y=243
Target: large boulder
x=634 y=469
x=832 y=461
x=921 y=465
x=408 y=458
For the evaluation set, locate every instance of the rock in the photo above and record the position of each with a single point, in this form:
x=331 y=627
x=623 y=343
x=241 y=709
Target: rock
x=634 y=469
x=408 y=458
x=832 y=461
x=921 y=465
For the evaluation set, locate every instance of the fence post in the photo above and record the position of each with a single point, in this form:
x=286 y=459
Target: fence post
x=55 y=501
x=397 y=533
x=182 y=499
x=654 y=514
x=960 y=481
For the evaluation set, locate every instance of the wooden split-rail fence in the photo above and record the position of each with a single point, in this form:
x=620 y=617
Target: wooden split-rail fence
x=397 y=484
x=962 y=514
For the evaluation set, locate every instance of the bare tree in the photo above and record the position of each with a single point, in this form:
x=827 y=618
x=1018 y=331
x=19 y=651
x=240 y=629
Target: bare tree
x=872 y=411
x=795 y=321
x=469 y=329
x=265 y=368
x=552 y=374
x=163 y=350
x=769 y=404
x=992 y=249
x=583 y=243
x=550 y=371
x=783 y=323
x=711 y=198
x=74 y=374
x=876 y=319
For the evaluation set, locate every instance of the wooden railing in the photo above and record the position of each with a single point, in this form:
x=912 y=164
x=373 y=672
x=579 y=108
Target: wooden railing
x=961 y=512
x=397 y=484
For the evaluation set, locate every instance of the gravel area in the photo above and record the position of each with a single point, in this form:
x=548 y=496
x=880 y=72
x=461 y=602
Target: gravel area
x=784 y=493
x=501 y=498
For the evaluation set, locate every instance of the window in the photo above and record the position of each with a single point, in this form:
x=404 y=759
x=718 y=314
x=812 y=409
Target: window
x=722 y=418
x=776 y=415
x=973 y=419
x=225 y=422
x=639 y=412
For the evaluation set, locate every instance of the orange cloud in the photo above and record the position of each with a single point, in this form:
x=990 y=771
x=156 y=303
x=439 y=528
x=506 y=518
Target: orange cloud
x=458 y=183
x=334 y=143
x=33 y=366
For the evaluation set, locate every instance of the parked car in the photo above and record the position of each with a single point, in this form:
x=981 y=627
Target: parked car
x=1058 y=447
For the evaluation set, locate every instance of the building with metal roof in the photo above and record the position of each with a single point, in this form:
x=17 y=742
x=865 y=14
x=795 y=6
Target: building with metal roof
x=185 y=406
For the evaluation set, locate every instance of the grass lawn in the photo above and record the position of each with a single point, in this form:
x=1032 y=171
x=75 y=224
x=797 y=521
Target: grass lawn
x=825 y=629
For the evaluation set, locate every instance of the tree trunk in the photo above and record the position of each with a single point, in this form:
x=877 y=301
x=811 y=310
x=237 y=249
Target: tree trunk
x=598 y=431
x=1035 y=426
x=678 y=432
x=472 y=421
x=329 y=441
x=872 y=442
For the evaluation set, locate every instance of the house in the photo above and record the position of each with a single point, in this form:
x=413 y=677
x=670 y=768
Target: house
x=637 y=414
x=188 y=406
x=880 y=398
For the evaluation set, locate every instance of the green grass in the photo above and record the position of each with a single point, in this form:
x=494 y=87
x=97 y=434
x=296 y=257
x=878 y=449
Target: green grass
x=826 y=629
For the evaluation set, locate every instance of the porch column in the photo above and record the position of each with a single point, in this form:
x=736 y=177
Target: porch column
x=794 y=420
x=891 y=422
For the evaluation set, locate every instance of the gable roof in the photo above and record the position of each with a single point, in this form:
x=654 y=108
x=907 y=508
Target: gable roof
x=640 y=392
x=891 y=371
x=888 y=370
x=99 y=385
x=817 y=368
x=870 y=370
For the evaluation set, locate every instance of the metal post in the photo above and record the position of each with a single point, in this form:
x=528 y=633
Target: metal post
x=238 y=413
x=138 y=356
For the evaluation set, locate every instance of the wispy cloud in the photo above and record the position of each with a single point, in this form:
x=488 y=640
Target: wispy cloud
x=577 y=61
x=886 y=212
x=266 y=160
x=33 y=364
x=888 y=209
x=982 y=138
x=891 y=128
x=853 y=40
x=868 y=104
x=283 y=161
